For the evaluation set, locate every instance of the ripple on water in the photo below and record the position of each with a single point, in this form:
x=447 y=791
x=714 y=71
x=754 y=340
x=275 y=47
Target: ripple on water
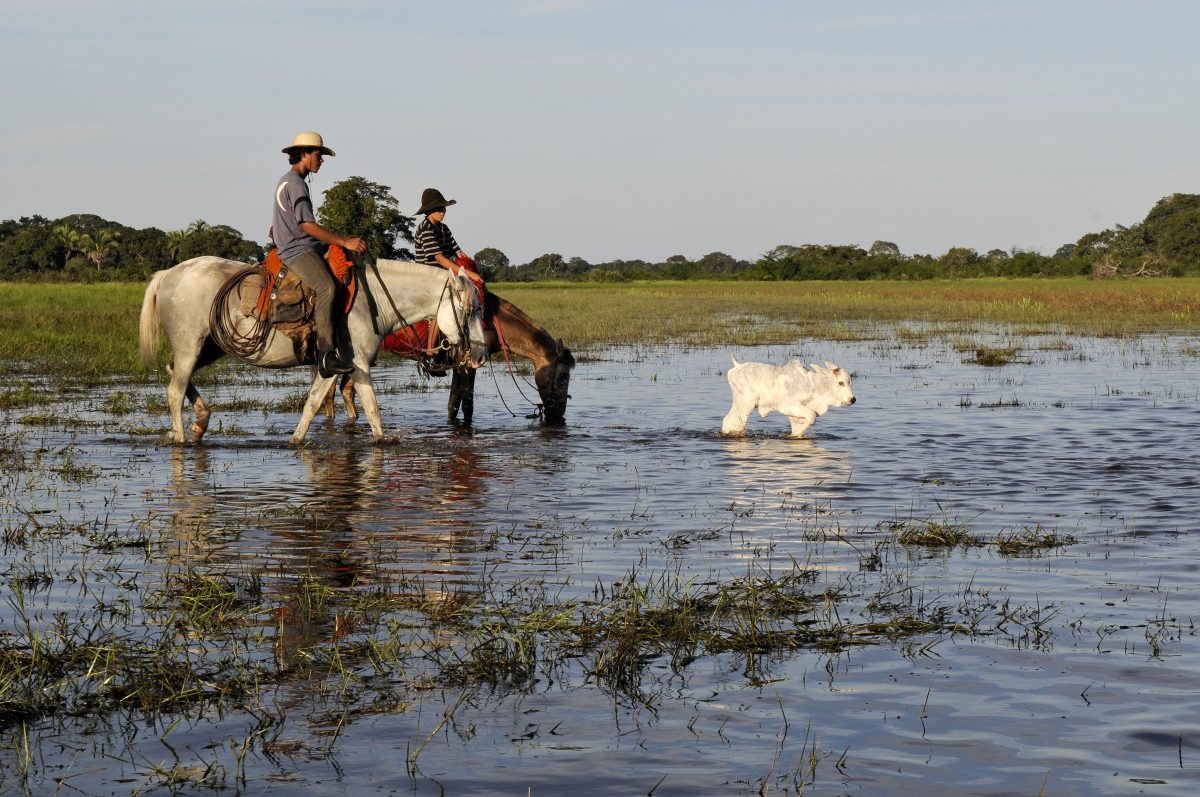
x=640 y=482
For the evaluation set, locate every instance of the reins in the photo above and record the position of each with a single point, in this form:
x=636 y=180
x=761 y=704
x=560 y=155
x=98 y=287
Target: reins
x=460 y=318
x=374 y=307
x=537 y=405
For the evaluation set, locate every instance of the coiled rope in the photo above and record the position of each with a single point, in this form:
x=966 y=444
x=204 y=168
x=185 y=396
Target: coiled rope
x=223 y=324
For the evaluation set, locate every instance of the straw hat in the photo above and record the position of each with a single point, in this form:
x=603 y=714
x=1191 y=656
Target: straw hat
x=309 y=140
x=432 y=199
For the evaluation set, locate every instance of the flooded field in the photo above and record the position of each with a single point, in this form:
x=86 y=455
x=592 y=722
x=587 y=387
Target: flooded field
x=978 y=580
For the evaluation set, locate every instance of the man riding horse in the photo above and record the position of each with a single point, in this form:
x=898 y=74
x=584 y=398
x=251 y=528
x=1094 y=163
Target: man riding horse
x=298 y=236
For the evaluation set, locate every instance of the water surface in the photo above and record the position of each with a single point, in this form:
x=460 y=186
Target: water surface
x=1081 y=677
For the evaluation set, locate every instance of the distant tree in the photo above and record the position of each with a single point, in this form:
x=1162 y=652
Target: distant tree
x=142 y=252
x=32 y=249
x=1064 y=252
x=719 y=263
x=176 y=239
x=197 y=226
x=678 y=267
x=69 y=239
x=783 y=252
x=576 y=267
x=549 y=265
x=997 y=254
x=491 y=262
x=1094 y=243
x=219 y=240
x=357 y=207
x=97 y=248
x=883 y=249
x=958 y=261
x=1172 y=230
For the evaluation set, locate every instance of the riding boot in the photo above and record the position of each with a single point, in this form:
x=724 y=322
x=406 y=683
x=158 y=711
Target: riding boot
x=329 y=363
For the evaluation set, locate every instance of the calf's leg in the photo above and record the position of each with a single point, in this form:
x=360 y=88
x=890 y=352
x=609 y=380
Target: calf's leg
x=735 y=420
x=801 y=420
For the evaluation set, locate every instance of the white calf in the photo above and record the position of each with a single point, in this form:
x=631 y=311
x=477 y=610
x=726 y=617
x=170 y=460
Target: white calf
x=800 y=394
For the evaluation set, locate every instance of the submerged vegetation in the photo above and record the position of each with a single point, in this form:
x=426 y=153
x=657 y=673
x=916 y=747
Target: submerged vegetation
x=161 y=641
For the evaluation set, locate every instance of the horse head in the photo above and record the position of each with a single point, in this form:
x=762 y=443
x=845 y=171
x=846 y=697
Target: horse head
x=553 y=379
x=461 y=320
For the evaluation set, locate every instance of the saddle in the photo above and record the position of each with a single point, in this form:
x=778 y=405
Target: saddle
x=412 y=342
x=287 y=304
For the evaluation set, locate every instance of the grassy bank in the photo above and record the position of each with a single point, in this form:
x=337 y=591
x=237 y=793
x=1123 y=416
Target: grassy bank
x=715 y=313
x=81 y=329
x=92 y=329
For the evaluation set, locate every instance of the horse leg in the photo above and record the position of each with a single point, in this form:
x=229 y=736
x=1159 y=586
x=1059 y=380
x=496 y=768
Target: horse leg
x=200 y=425
x=462 y=395
x=209 y=353
x=455 y=399
x=348 y=397
x=330 y=409
x=177 y=388
x=316 y=395
x=366 y=391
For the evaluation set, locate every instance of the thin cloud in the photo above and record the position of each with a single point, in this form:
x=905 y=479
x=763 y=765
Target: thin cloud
x=535 y=7
x=954 y=17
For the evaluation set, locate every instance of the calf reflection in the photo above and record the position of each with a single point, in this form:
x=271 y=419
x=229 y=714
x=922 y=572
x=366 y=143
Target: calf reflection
x=791 y=463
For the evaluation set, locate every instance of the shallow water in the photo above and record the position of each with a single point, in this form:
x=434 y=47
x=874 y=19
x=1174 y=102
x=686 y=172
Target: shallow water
x=1087 y=683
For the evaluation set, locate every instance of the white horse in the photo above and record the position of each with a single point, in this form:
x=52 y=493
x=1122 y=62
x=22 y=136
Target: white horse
x=392 y=295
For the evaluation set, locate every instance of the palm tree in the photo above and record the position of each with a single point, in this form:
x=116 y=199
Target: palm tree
x=199 y=225
x=97 y=249
x=175 y=241
x=69 y=239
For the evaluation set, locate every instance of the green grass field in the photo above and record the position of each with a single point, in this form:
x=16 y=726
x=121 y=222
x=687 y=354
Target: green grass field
x=91 y=330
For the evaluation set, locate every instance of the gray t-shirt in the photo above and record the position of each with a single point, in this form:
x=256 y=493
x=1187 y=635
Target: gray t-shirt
x=292 y=207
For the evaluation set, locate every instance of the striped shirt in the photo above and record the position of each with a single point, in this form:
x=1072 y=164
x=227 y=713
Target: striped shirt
x=435 y=239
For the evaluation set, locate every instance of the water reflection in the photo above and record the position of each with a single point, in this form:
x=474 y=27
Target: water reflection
x=352 y=519
x=755 y=463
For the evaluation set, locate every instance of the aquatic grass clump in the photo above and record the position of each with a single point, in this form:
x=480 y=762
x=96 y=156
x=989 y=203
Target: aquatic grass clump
x=931 y=533
x=1031 y=541
x=995 y=356
x=22 y=396
x=54 y=420
x=206 y=603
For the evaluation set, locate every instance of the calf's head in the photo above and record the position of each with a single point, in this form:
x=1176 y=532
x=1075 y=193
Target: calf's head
x=840 y=391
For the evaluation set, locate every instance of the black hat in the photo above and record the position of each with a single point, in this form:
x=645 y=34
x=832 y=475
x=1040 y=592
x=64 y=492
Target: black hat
x=432 y=199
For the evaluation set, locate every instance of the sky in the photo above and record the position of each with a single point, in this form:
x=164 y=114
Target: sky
x=607 y=129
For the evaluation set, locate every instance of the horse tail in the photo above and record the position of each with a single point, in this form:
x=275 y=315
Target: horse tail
x=148 y=325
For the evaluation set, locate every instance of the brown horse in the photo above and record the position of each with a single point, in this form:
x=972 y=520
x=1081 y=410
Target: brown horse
x=508 y=327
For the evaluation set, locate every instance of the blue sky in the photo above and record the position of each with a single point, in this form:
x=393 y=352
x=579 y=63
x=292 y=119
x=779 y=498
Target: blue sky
x=610 y=129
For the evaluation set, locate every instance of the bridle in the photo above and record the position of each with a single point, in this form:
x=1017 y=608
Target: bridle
x=449 y=294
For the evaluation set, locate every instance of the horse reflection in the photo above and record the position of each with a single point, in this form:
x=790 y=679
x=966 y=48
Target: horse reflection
x=357 y=520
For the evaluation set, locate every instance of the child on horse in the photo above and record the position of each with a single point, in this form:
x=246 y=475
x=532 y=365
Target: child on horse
x=436 y=247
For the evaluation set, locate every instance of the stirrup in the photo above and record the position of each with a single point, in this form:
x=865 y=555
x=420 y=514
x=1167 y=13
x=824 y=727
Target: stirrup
x=329 y=364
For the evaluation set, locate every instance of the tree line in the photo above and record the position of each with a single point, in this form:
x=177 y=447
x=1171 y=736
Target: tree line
x=86 y=247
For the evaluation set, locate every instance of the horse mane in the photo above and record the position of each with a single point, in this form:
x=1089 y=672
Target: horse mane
x=411 y=266
x=540 y=335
